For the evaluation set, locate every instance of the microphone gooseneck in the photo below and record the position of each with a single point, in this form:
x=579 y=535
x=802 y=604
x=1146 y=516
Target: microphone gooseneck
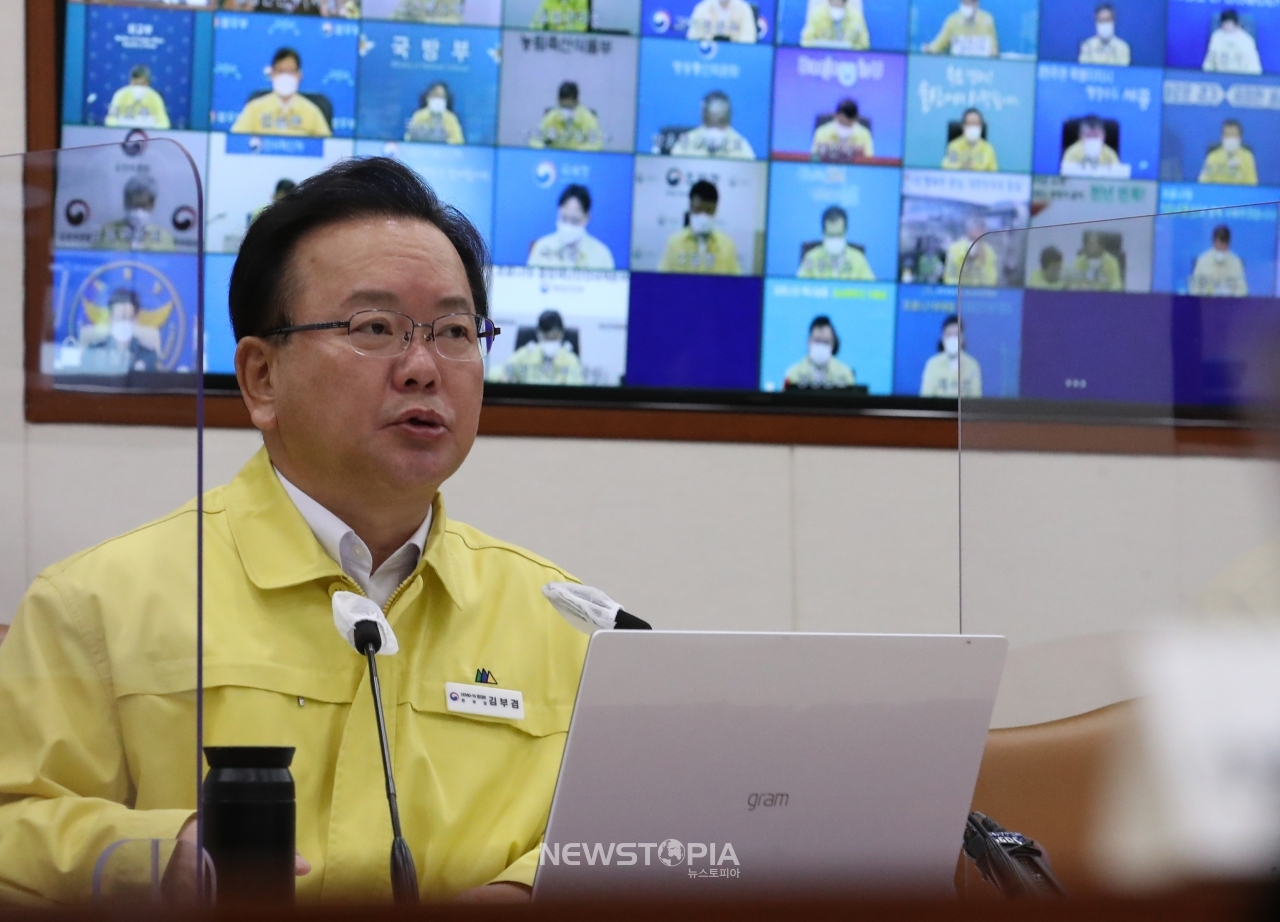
x=404 y=876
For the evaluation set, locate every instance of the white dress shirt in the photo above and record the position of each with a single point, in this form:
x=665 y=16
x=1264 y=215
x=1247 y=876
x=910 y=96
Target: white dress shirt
x=351 y=553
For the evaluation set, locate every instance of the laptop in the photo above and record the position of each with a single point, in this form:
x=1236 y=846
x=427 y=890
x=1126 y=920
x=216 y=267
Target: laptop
x=707 y=765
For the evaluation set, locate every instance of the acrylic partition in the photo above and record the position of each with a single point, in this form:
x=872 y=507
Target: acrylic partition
x=100 y=698
x=1100 y=504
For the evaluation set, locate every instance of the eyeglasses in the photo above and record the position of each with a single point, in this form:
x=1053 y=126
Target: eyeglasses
x=383 y=334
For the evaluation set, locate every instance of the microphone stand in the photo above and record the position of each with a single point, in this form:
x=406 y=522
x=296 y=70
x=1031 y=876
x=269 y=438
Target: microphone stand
x=404 y=876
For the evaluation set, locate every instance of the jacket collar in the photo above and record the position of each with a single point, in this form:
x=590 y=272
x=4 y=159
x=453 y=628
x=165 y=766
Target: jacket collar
x=278 y=549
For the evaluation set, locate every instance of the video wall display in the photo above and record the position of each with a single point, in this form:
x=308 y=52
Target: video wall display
x=721 y=194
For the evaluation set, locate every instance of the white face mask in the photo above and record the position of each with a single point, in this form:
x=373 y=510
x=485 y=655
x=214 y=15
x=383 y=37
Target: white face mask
x=967 y=11
x=122 y=331
x=436 y=104
x=1093 y=148
x=566 y=114
x=284 y=85
x=1231 y=144
x=951 y=345
x=139 y=217
x=550 y=348
x=837 y=13
x=137 y=92
x=1106 y=31
x=570 y=233
x=715 y=136
x=820 y=353
x=834 y=245
x=973 y=133
x=844 y=132
x=1220 y=256
x=701 y=224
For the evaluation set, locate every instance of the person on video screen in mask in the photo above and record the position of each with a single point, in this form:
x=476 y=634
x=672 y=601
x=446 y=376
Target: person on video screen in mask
x=284 y=110
x=137 y=105
x=563 y=16
x=971 y=151
x=570 y=246
x=716 y=136
x=1218 y=272
x=1049 y=276
x=821 y=368
x=700 y=247
x=1104 y=46
x=568 y=125
x=136 y=230
x=968 y=32
x=546 y=359
x=434 y=121
x=1232 y=50
x=844 y=138
x=951 y=372
x=732 y=20
x=981 y=265
x=448 y=12
x=1095 y=268
x=123 y=342
x=1230 y=163
x=1090 y=154
x=836 y=24
x=835 y=258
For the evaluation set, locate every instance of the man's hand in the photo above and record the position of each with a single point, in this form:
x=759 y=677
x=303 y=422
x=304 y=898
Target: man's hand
x=179 y=883
x=505 y=892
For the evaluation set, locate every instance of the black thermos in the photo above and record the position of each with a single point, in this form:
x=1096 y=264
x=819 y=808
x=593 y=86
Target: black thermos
x=249 y=816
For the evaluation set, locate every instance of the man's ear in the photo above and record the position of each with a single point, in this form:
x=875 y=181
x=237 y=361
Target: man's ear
x=255 y=373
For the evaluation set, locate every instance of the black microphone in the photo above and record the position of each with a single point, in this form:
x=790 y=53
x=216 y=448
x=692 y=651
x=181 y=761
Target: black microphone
x=404 y=876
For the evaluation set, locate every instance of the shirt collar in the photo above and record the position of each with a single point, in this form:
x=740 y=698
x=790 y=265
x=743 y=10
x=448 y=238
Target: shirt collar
x=330 y=530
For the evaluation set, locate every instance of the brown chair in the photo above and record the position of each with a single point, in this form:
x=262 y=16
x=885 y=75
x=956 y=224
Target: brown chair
x=1045 y=781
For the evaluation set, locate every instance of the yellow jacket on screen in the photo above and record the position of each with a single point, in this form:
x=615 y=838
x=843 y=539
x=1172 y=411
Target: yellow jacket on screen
x=268 y=114
x=1238 y=169
x=714 y=254
x=97 y=699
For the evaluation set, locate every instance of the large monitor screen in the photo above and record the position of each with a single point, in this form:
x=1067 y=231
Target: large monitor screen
x=770 y=198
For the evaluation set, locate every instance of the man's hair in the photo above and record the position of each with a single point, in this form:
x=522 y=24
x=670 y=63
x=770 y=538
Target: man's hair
x=1223 y=233
x=568 y=90
x=286 y=52
x=717 y=96
x=550 y=320
x=822 y=320
x=1105 y=8
x=848 y=108
x=125 y=294
x=1230 y=15
x=706 y=191
x=1233 y=123
x=140 y=185
x=578 y=191
x=953 y=320
x=974 y=111
x=261 y=282
x=448 y=95
x=140 y=71
x=1049 y=256
x=1092 y=121
x=833 y=212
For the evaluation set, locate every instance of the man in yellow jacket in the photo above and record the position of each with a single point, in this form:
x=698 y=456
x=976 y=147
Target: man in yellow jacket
x=284 y=110
x=359 y=306
x=968 y=32
x=701 y=248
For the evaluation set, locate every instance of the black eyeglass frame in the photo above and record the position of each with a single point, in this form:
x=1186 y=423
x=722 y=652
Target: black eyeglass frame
x=429 y=326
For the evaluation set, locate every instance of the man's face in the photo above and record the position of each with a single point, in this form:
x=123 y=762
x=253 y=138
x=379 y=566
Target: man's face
x=1105 y=18
x=391 y=424
x=702 y=206
x=715 y=114
x=823 y=334
x=571 y=212
x=568 y=103
x=1229 y=25
x=844 y=120
x=553 y=335
x=1231 y=137
x=1092 y=132
x=834 y=228
x=976 y=229
x=1053 y=270
x=1092 y=246
x=1220 y=244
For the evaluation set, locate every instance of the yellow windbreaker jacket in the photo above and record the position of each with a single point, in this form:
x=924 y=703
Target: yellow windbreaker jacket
x=98 y=703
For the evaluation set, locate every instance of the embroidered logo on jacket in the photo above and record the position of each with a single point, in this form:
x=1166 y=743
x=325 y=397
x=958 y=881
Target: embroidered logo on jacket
x=485 y=677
